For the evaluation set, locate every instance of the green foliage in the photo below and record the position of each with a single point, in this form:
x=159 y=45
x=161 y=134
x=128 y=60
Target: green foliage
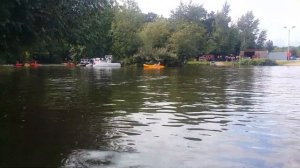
x=298 y=51
x=77 y=52
x=126 y=24
x=198 y=63
x=225 y=37
x=257 y=62
x=155 y=34
x=154 y=37
x=188 y=13
x=188 y=41
x=30 y=25
x=156 y=55
x=248 y=28
x=53 y=30
x=269 y=45
x=261 y=39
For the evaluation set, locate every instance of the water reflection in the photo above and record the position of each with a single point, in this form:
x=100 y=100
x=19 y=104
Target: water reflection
x=186 y=117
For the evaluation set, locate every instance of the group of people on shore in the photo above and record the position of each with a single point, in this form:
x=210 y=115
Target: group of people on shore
x=226 y=58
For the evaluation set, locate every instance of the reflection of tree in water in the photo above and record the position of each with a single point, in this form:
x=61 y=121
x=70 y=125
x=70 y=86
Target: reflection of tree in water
x=194 y=97
x=199 y=90
x=24 y=133
x=107 y=122
x=70 y=113
x=48 y=112
x=239 y=89
x=82 y=109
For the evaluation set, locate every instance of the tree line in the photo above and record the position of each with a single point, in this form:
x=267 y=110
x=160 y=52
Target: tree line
x=52 y=31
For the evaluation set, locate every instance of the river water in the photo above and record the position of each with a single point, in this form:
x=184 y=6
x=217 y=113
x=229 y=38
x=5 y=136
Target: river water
x=195 y=116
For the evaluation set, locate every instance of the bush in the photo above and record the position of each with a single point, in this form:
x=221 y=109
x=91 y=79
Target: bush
x=154 y=56
x=128 y=61
x=257 y=62
x=198 y=62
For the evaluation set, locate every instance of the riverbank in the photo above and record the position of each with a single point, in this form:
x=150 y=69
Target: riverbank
x=52 y=65
x=226 y=64
x=288 y=63
x=278 y=62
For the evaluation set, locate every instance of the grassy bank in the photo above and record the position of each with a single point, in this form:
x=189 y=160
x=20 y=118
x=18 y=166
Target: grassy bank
x=198 y=63
x=257 y=62
x=243 y=62
x=288 y=63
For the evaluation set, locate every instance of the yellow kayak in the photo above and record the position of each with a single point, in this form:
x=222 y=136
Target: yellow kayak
x=154 y=66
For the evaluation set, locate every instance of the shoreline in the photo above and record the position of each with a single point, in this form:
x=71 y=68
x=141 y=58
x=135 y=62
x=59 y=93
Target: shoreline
x=279 y=63
x=46 y=65
x=288 y=63
x=224 y=64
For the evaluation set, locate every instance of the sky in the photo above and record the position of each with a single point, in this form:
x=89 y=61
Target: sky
x=273 y=15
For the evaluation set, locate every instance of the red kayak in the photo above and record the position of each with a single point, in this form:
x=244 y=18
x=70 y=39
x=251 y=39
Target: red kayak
x=33 y=65
x=18 y=65
x=70 y=64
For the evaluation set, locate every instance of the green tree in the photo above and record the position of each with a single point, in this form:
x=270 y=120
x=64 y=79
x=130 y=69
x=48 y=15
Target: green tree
x=269 y=45
x=222 y=32
x=189 y=38
x=154 y=37
x=155 y=34
x=298 y=51
x=209 y=24
x=188 y=41
x=248 y=29
x=30 y=25
x=126 y=24
x=262 y=37
x=188 y=13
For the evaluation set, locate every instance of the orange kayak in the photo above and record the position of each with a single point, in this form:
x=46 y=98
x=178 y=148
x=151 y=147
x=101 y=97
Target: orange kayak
x=155 y=66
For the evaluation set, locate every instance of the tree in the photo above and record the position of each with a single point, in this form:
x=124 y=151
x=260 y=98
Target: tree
x=31 y=25
x=126 y=24
x=155 y=34
x=209 y=24
x=188 y=41
x=248 y=29
x=261 y=39
x=154 y=37
x=298 y=51
x=269 y=45
x=223 y=35
x=188 y=13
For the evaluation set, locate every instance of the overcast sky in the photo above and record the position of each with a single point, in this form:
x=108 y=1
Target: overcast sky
x=273 y=14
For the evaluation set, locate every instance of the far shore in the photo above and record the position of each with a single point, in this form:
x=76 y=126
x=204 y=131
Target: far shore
x=11 y=65
x=289 y=63
x=279 y=62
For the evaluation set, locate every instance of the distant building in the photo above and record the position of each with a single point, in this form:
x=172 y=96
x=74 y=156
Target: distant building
x=254 y=53
x=277 y=55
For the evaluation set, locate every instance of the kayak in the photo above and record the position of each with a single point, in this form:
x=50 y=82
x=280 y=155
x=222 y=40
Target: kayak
x=70 y=64
x=18 y=65
x=33 y=65
x=155 y=66
x=27 y=65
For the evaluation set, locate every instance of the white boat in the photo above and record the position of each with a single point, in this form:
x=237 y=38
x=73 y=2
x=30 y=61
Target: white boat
x=101 y=62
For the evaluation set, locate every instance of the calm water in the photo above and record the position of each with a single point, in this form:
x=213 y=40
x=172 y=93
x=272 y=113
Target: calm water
x=128 y=117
